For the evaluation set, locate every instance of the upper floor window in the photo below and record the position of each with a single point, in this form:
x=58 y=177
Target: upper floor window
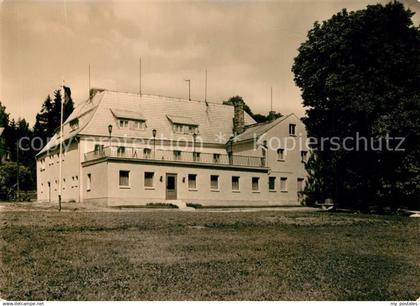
x=177 y=155
x=147 y=152
x=120 y=151
x=292 y=129
x=196 y=156
x=280 y=154
x=216 y=158
x=304 y=156
x=99 y=148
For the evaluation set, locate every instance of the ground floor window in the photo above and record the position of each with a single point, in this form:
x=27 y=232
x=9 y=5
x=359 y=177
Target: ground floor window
x=124 y=178
x=283 y=184
x=192 y=181
x=214 y=182
x=272 y=183
x=148 y=179
x=300 y=184
x=89 y=182
x=255 y=184
x=235 y=183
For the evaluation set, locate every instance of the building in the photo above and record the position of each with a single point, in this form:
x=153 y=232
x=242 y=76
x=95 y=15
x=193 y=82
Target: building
x=124 y=148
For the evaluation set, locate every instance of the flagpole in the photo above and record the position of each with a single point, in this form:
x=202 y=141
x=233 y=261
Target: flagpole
x=61 y=147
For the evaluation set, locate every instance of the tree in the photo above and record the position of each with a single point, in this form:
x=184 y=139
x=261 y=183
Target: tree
x=257 y=117
x=359 y=73
x=48 y=120
x=8 y=180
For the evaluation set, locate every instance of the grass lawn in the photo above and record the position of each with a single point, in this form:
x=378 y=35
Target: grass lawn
x=173 y=255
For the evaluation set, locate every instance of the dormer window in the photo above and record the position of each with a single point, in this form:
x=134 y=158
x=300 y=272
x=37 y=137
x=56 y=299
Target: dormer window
x=138 y=125
x=129 y=119
x=183 y=125
x=74 y=124
x=178 y=128
x=123 y=123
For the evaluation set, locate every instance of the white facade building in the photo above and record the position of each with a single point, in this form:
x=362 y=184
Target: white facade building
x=127 y=149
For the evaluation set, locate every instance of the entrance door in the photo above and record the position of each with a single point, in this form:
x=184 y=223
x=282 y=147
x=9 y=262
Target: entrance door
x=171 y=186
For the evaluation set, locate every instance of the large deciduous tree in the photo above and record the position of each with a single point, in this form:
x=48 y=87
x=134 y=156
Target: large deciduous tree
x=359 y=73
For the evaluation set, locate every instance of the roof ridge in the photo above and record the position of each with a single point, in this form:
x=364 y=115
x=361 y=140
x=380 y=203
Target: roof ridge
x=164 y=96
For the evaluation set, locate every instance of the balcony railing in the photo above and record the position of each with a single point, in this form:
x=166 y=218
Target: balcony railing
x=176 y=156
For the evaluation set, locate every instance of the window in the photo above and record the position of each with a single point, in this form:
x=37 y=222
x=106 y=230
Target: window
x=178 y=128
x=300 y=184
x=280 y=154
x=89 y=182
x=138 y=125
x=123 y=123
x=177 y=155
x=255 y=184
x=148 y=179
x=272 y=183
x=196 y=156
x=124 y=178
x=99 y=149
x=186 y=129
x=147 y=152
x=192 y=129
x=216 y=158
x=120 y=151
x=292 y=129
x=214 y=182
x=192 y=181
x=74 y=124
x=283 y=184
x=304 y=156
x=235 y=183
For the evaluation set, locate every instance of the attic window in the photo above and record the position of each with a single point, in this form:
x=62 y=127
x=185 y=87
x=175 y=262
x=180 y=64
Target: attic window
x=185 y=129
x=74 y=124
x=183 y=125
x=123 y=123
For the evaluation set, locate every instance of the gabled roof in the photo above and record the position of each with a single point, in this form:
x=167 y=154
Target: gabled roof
x=214 y=119
x=258 y=129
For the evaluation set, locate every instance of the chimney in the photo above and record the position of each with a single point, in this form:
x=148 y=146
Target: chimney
x=238 y=118
x=94 y=91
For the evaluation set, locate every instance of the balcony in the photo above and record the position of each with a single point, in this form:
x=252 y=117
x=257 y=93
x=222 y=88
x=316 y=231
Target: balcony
x=176 y=157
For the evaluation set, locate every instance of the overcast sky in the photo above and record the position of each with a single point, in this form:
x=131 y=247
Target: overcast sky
x=246 y=46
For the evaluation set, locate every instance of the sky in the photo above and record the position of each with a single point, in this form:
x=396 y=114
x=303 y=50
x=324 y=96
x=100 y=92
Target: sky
x=247 y=47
